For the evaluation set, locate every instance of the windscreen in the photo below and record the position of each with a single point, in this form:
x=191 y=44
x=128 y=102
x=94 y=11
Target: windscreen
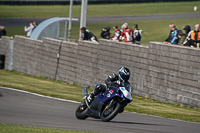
x=127 y=86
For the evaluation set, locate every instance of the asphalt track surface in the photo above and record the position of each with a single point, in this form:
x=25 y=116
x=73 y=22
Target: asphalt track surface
x=21 y=108
x=12 y=22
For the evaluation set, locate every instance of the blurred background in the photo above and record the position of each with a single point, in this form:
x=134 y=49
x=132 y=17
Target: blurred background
x=152 y=16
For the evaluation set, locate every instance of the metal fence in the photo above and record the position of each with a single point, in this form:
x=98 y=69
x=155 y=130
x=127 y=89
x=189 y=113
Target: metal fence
x=77 y=2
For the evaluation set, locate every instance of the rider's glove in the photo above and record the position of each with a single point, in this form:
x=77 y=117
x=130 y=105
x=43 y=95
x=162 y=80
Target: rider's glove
x=117 y=82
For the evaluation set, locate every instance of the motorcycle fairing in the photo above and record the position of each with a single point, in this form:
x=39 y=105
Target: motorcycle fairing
x=126 y=93
x=95 y=108
x=109 y=94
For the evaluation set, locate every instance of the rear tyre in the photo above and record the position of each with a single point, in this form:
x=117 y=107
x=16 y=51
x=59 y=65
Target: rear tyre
x=81 y=112
x=110 y=111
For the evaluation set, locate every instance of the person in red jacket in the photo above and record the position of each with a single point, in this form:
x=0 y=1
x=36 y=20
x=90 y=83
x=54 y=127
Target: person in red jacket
x=126 y=34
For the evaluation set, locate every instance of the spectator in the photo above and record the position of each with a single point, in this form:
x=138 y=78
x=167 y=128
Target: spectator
x=181 y=37
x=35 y=25
x=2 y=31
x=173 y=35
x=87 y=35
x=105 y=33
x=117 y=34
x=137 y=34
x=170 y=35
x=29 y=29
x=194 y=36
x=126 y=34
x=187 y=31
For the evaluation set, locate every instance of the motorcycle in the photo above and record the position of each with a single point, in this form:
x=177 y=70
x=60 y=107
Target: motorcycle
x=106 y=105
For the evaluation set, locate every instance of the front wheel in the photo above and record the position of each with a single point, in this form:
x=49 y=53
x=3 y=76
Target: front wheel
x=110 y=111
x=81 y=112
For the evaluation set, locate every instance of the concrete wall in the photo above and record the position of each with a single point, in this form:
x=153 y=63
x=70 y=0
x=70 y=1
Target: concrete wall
x=163 y=72
x=174 y=74
x=35 y=57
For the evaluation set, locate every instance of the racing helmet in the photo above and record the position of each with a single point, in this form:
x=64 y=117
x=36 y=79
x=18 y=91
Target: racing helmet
x=124 y=73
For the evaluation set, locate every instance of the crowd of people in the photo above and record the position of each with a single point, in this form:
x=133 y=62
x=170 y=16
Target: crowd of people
x=190 y=38
x=133 y=35
x=129 y=35
x=2 y=31
x=29 y=29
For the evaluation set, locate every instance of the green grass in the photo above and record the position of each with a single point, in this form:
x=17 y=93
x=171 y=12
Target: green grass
x=63 y=90
x=5 y=128
x=8 y=11
x=39 y=85
x=166 y=110
x=153 y=30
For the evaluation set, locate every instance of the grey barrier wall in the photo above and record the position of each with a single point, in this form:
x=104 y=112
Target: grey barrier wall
x=35 y=57
x=174 y=74
x=163 y=72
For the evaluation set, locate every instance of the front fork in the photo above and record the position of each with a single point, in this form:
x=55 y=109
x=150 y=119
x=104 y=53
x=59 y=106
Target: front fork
x=109 y=105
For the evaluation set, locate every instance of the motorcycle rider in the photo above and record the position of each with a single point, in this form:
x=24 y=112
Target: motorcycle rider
x=112 y=81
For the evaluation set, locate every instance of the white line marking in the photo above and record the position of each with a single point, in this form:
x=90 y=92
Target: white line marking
x=40 y=95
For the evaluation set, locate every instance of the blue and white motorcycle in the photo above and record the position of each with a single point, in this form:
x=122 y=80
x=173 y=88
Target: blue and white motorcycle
x=106 y=105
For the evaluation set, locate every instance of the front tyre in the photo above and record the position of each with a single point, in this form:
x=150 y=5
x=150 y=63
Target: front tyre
x=110 y=111
x=81 y=112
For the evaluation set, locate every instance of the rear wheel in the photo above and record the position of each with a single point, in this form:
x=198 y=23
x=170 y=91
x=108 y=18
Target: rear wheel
x=110 y=111
x=81 y=112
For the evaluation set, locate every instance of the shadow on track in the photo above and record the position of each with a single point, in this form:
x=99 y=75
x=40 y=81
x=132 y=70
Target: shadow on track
x=136 y=123
x=131 y=123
